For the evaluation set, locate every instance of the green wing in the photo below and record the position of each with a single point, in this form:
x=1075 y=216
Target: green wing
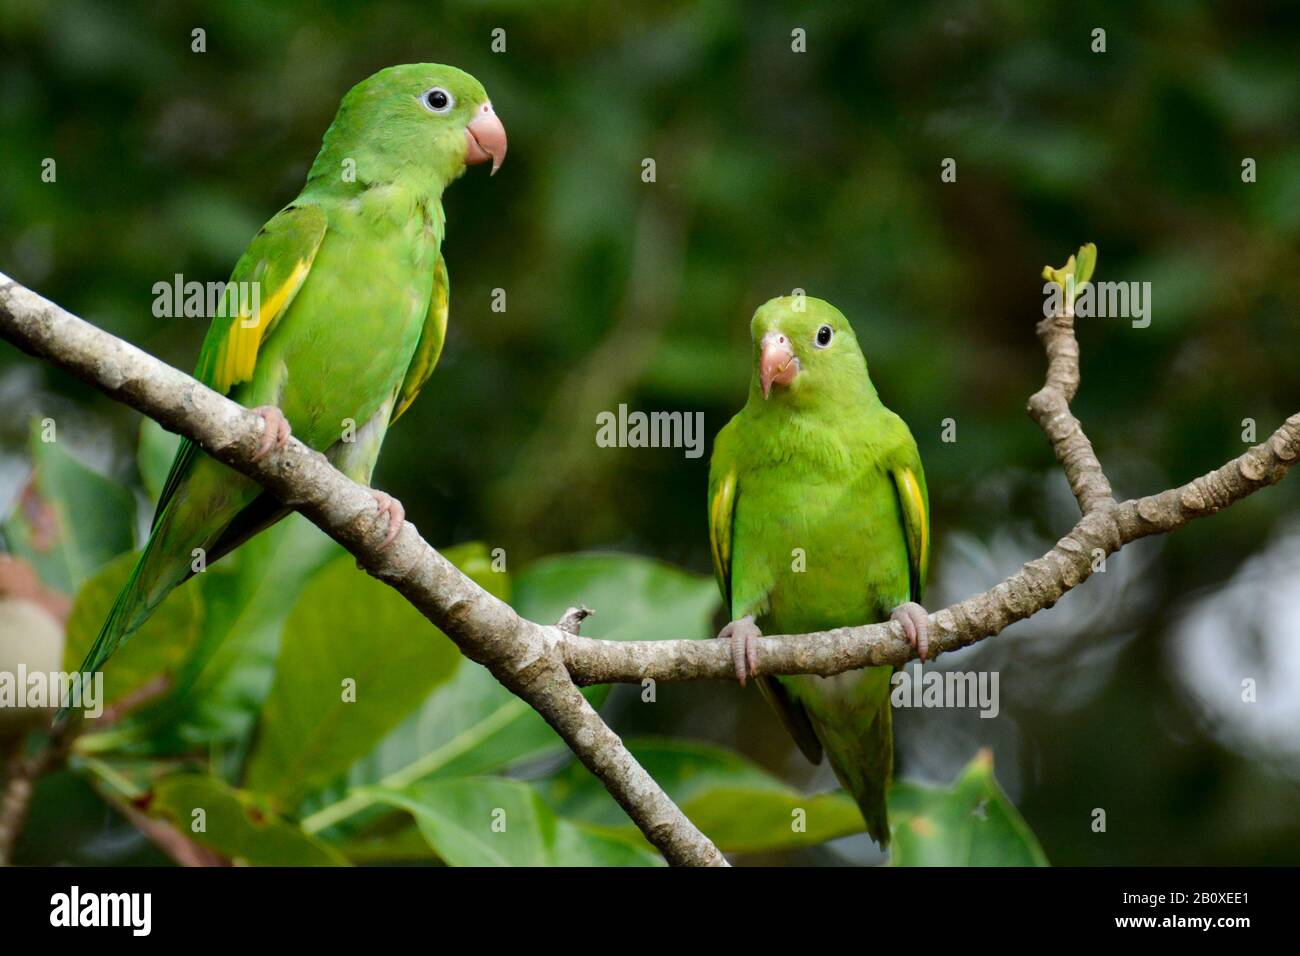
x=914 y=502
x=722 y=504
x=724 y=487
x=278 y=261
x=431 y=341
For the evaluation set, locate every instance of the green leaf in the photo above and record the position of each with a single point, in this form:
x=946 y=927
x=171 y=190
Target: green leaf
x=468 y=724
x=739 y=806
x=971 y=823
x=471 y=724
x=403 y=844
x=235 y=825
x=159 y=646
x=1061 y=275
x=1087 y=263
x=346 y=627
x=69 y=521
x=1077 y=270
x=641 y=599
x=490 y=821
x=154 y=455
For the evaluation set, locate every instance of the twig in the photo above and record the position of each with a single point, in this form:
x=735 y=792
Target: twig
x=1037 y=586
x=1050 y=408
x=24 y=772
x=182 y=850
x=571 y=622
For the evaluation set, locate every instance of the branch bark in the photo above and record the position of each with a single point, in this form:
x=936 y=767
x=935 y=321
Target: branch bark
x=1104 y=528
x=545 y=664
x=1050 y=408
x=522 y=655
x=1039 y=585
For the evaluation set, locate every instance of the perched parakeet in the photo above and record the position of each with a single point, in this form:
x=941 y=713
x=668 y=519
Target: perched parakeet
x=818 y=518
x=352 y=299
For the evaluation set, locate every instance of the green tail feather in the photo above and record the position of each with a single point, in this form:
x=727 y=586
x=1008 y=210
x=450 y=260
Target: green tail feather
x=135 y=602
x=854 y=723
x=220 y=512
x=117 y=625
x=864 y=765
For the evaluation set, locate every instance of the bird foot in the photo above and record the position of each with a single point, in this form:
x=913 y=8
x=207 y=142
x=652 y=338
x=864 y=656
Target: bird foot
x=275 y=430
x=744 y=653
x=388 y=505
x=916 y=626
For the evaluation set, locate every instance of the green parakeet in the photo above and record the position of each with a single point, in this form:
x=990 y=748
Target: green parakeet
x=352 y=296
x=818 y=518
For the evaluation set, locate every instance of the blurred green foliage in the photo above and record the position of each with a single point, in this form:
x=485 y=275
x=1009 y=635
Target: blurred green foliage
x=775 y=170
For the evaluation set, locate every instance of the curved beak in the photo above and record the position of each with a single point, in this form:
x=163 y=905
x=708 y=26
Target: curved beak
x=777 y=364
x=485 y=139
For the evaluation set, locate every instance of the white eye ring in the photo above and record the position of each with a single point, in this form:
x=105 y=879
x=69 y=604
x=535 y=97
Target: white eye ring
x=830 y=335
x=431 y=96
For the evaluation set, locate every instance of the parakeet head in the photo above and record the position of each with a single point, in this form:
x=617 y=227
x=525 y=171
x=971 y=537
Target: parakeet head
x=421 y=122
x=805 y=351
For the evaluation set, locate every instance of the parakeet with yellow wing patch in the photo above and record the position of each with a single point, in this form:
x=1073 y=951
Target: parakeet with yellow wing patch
x=819 y=518
x=351 y=297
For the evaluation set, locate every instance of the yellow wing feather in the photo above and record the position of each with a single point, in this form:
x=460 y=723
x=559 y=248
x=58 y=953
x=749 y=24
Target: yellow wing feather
x=721 y=505
x=238 y=355
x=431 y=341
x=276 y=263
x=916 y=521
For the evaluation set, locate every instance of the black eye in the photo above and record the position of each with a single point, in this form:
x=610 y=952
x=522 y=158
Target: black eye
x=439 y=100
x=824 y=336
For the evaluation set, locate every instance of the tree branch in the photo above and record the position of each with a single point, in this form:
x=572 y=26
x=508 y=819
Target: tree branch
x=1050 y=408
x=522 y=655
x=1104 y=528
x=545 y=664
x=1039 y=585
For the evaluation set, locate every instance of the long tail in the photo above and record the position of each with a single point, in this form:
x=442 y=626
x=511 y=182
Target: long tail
x=858 y=736
x=135 y=602
x=151 y=580
x=204 y=505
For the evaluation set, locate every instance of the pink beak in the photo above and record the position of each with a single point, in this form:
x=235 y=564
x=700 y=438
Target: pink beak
x=777 y=364
x=485 y=139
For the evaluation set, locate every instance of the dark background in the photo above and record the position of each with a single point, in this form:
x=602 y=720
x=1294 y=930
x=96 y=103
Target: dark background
x=776 y=170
